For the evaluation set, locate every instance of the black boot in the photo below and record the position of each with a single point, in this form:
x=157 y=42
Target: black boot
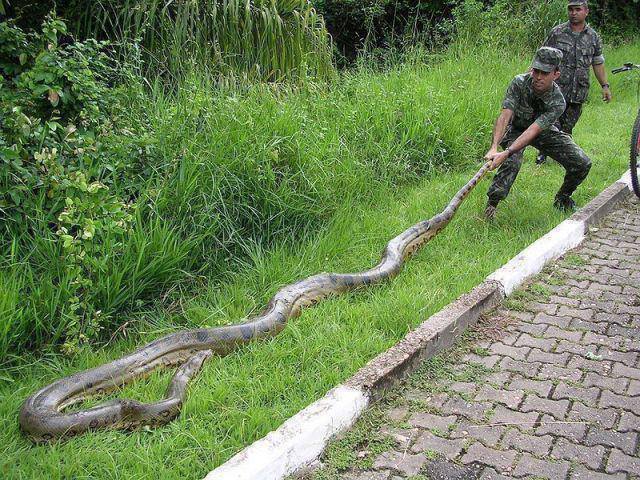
x=490 y=210
x=564 y=203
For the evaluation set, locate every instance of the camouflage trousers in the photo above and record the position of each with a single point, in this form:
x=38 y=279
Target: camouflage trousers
x=559 y=146
x=569 y=118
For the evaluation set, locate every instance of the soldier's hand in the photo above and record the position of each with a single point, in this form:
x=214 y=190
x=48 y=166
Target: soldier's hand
x=606 y=94
x=497 y=159
x=491 y=153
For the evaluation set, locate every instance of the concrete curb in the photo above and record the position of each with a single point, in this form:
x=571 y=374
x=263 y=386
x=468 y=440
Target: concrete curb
x=431 y=336
x=298 y=441
x=569 y=234
x=302 y=438
x=602 y=205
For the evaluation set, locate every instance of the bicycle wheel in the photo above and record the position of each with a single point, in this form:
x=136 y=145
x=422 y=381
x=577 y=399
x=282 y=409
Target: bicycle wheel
x=634 y=157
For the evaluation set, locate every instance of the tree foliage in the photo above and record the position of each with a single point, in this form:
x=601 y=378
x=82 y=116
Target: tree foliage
x=618 y=19
x=358 y=24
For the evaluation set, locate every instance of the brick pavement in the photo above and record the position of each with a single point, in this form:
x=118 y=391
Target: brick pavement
x=548 y=387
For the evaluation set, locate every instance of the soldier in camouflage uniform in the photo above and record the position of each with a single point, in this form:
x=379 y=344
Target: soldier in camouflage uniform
x=531 y=108
x=582 y=49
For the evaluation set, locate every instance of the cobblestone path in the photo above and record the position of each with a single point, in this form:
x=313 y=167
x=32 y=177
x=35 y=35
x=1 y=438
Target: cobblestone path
x=547 y=386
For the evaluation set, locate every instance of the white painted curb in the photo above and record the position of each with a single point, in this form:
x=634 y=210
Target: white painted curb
x=532 y=259
x=298 y=441
x=569 y=234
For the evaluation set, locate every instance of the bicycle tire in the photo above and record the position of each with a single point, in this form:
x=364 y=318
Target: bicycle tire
x=634 y=156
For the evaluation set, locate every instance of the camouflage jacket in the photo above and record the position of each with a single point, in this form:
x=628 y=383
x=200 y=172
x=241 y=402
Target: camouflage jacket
x=529 y=107
x=581 y=51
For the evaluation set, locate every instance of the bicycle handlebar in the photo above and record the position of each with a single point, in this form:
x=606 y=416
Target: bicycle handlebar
x=625 y=68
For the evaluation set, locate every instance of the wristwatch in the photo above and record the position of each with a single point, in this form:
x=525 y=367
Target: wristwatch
x=605 y=85
x=509 y=151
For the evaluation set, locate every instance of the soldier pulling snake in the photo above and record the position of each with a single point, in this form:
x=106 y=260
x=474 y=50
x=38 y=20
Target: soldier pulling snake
x=42 y=416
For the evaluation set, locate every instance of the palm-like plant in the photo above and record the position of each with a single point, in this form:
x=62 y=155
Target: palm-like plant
x=270 y=40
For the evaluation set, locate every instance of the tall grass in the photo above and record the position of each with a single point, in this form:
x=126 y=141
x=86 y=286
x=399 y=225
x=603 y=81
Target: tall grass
x=238 y=40
x=36 y=289
x=266 y=162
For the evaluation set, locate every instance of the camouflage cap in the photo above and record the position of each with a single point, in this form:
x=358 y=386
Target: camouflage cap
x=547 y=59
x=577 y=3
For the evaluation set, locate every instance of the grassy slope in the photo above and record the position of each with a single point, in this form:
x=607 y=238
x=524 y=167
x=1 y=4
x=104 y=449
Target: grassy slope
x=240 y=398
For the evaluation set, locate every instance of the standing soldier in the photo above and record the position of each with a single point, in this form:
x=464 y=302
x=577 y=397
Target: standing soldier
x=582 y=48
x=531 y=107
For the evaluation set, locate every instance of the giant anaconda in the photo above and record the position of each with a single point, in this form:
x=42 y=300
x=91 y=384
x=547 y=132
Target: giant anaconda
x=43 y=418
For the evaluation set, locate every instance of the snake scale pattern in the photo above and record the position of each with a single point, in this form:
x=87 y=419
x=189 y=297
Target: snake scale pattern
x=42 y=417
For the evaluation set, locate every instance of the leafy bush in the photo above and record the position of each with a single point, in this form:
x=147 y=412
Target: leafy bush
x=56 y=180
x=52 y=99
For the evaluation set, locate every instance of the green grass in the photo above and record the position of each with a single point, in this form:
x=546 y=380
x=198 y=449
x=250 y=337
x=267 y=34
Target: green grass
x=574 y=260
x=518 y=300
x=238 y=399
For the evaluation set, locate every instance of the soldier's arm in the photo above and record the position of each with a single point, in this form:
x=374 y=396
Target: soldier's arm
x=599 y=69
x=499 y=130
x=598 y=57
x=509 y=105
x=601 y=75
x=521 y=142
x=525 y=139
x=500 y=127
x=543 y=122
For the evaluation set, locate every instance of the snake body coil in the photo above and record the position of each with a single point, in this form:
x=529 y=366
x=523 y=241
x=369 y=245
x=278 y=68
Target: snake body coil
x=42 y=416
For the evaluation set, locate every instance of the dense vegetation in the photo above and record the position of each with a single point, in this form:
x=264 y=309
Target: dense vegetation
x=354 y=24
x=109 y=194
x=240 y=41
x=381 y=24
